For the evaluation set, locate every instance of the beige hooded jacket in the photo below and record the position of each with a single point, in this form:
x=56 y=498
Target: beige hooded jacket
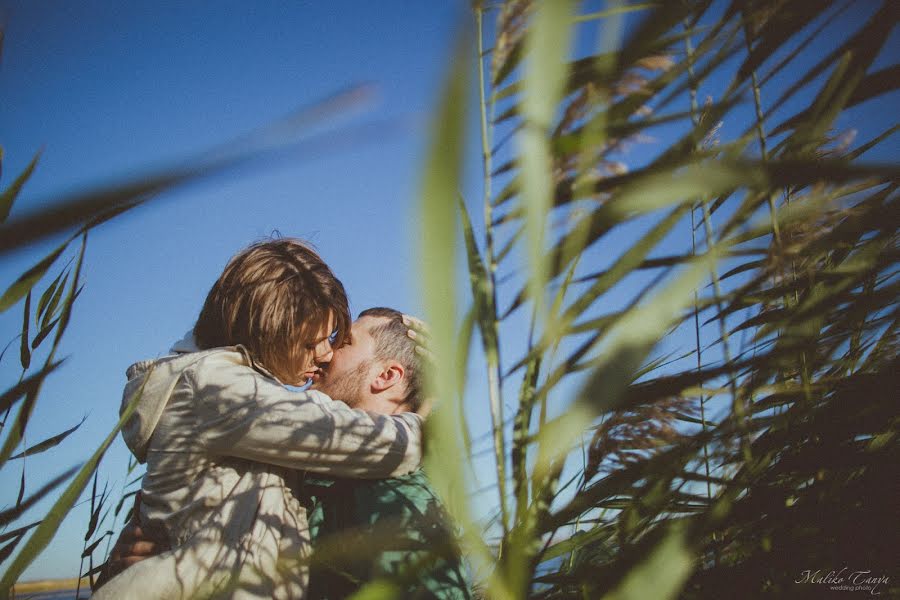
x=225 y=443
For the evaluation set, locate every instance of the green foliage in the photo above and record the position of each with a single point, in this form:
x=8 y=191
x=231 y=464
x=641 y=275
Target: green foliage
x=9 y=194
x=735 y=461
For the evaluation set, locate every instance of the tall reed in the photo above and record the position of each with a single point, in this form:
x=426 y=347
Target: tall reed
x=707 y=465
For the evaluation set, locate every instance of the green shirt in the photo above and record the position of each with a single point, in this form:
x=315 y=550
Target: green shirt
x=390 y=529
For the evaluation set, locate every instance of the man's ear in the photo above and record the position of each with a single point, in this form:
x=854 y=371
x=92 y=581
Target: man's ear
x=391 y=374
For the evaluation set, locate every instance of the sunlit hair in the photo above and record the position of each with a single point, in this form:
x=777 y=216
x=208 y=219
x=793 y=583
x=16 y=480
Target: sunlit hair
x=392 y=343
x=274 y=298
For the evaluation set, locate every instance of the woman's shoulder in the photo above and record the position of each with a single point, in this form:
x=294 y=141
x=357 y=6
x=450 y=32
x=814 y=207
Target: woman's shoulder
x=230 y=374
x=227 y=366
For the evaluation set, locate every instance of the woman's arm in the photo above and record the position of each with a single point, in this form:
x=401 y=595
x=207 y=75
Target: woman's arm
x=246 y=415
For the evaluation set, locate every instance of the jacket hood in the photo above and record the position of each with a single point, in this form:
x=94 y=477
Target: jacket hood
x=150 y=384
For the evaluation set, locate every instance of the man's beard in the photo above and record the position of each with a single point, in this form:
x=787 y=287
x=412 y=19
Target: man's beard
x=345 y=387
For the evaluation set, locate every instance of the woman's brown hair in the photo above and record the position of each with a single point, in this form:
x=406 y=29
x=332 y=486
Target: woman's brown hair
x=273 y=298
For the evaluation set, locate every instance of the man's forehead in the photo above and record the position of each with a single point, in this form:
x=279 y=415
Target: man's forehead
x=366 y=323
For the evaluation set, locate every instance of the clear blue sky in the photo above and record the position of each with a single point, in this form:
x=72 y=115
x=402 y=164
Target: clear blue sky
x=110 y=89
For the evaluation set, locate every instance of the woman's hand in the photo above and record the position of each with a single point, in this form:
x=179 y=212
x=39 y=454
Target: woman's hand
x=133 y=546
x=419 y=333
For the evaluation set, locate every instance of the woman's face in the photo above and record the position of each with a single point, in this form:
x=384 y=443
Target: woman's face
x=319 y=351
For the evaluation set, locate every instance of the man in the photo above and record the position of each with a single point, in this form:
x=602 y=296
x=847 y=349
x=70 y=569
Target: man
x=392 y=529
x=397 y=523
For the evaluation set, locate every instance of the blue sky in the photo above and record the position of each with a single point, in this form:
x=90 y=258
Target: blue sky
x=111 y=90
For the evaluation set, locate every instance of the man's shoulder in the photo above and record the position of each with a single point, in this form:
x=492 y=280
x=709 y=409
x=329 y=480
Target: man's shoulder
x=417 y=478
x=415 y=481
x=413 y=487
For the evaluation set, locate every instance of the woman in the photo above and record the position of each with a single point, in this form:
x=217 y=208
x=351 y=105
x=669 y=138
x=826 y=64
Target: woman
x=223 y=437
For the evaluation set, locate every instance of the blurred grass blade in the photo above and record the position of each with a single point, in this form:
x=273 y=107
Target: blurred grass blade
x=298 y=122
x=546 y=50
x=17 y=431
x=48 y=443
x=438 y=243
x=88 y=209
x=90 y=549
x=96 y=506
x=780 y=28
x=660 y=189
x=50 y=297
x=662 y=571
x=24 y=350
x=844 y=81
x=29 y=278
x=631 y=337
x=46 y=330
x=863 y=148
x=21 y=495
x=13 y=394
x=484 y=309
x=83 y=207
x=377 y=589
x=72 y=295
x=871 y=86
x=485 y=312
x=6 y=550
x=9 y=194
x=122 y=501
x=8 y=535
x=446 y=458
x=11 y=514
x=626 y=263
x=615 y=11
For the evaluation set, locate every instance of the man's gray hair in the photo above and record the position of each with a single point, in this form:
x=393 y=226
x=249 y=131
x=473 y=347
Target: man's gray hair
x=393 y=343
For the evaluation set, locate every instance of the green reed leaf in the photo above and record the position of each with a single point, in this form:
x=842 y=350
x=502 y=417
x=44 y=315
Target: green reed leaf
x=662 y=572
x=18 y=532
x=377 y=589
x=50 y=442
x=46 y=330
x=29 y=278
x=9 y=195
x=630 y=338
x=481 y=287
x=445 y=460
x=18 y=391
x=547 y=47
x=90 y=549
x=438 y=201
x=122 y=501
x=24 y=351
x=779 y=29
x=11 y=514
x=50 y=297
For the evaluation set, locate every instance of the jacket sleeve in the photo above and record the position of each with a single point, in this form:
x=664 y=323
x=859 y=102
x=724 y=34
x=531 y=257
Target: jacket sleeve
x=243 y=414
